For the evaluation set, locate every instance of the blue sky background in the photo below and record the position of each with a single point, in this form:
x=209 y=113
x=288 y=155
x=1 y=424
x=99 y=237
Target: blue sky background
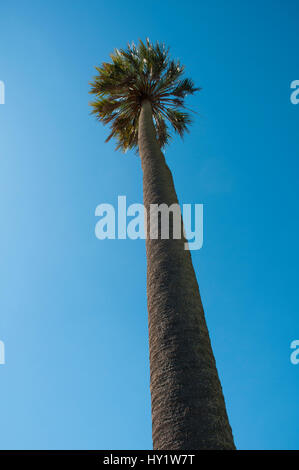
x=73 y=308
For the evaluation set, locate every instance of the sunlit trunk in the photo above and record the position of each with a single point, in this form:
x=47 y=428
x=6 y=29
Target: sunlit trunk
x=188 y=408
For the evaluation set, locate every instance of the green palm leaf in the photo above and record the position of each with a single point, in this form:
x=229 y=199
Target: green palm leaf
x=133 y=75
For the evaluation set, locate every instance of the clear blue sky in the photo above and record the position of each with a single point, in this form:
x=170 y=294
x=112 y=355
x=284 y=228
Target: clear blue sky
x=73 y=308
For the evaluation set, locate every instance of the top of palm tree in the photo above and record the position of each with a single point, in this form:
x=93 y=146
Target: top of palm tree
x=138 y=73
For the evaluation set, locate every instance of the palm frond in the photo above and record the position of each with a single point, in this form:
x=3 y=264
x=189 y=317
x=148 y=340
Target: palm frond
x=133 y=75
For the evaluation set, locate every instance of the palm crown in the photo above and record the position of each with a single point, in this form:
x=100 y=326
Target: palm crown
x=135 y=74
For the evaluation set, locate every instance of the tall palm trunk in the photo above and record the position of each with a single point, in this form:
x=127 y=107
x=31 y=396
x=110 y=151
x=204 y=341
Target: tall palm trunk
x=188 y=408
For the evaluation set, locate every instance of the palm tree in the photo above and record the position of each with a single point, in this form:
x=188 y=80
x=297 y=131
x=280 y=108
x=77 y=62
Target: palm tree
x=139 y=93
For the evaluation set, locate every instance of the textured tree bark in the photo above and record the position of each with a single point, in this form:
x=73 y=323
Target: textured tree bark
x=188 y=408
